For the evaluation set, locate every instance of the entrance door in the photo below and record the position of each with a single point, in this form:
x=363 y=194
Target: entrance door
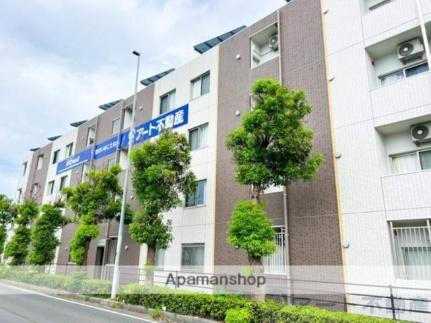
x=99 y=261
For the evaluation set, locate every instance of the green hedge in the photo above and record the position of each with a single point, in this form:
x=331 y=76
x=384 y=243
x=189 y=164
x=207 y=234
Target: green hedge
x=216 y=307
x=233 y=309
x=96 y=287
x=76 y=282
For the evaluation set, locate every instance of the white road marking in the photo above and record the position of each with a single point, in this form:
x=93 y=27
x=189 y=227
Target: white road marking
x=27 y=291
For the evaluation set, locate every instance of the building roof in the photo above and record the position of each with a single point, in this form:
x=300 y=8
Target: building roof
x=78 y=123
x=207 y=45
x=53 y=138
x=35 y=149
x=150 y=80
x=109 y=105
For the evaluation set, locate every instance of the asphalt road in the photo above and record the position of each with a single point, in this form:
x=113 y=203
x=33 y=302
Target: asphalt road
x=21 y=306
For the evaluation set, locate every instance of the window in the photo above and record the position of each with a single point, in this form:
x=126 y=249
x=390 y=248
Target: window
x=404 y=73
x=19 y=196
x=39 y=162
x=35 y=189
x=112 y=250
x=24 y=168
x=69 y=150
x=192 y=256
x=198 y=137
x=411 y=162
x=264 y=46
x=127 y=117
x=167 y=102
x=55 y=156
x=160 y=259
x=198 y=197
x=201 y=85
x=91 y=136
x=112 y=162
x=50 y=189
x=116 y=126
x=63 y=182
x=84 y=172
x=412 y=249
x=275 y=263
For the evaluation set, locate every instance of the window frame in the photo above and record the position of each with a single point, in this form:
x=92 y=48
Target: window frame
x=171 y=97
x=199 y=79
x=50 y=188
x=403 y=269
x=195 y=194
x=418 y=163
x=188 y=246
x=92 y=139
x=39 y=163
x=199 y=130
x=63 y=180
x=69 y=150
x=403 y=71
x=55 y=156
x=118 y=129
x=114 y=250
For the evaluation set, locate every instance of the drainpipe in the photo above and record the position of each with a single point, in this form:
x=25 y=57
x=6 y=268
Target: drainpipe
x=423 y=30
x=285 y=215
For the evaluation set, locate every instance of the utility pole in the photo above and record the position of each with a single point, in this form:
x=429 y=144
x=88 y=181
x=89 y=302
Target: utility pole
x=116 y=275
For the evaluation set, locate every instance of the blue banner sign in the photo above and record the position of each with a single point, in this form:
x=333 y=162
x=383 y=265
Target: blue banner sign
x=74 y=161
x=170 y=120
x=106 y=148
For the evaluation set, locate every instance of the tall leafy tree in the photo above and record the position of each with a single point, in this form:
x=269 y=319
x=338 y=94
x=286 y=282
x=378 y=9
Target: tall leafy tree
x=160 y=174
x=92 y=202
x=43 y=239
x=270 y=147
x=18 y=246
x=8 y=212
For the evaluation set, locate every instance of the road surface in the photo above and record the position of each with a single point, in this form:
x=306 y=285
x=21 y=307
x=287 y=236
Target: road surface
x=22 y=306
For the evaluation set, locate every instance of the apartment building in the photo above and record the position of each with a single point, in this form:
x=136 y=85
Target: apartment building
x=363 y=65
x=380 y=101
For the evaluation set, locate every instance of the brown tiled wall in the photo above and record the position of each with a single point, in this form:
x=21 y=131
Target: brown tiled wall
x=312 y=208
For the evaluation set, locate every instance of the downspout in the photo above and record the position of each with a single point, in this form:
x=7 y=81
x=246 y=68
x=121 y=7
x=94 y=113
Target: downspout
x=285 y=213
x=423 y=30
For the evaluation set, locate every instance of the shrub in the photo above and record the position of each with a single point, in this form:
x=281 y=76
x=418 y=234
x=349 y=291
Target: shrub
x=217 y=307
x=235 y=315
x=96 y=287
x=74 y=281
x=156 y=314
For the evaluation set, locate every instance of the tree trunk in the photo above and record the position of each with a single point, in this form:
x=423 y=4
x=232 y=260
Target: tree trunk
x=256 y=190
x=149 y=268
x=257 y=268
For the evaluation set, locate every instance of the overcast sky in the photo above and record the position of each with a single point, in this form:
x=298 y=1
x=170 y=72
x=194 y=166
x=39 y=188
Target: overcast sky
x=60 y=59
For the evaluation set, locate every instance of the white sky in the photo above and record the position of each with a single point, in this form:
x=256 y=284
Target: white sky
x=59 y=60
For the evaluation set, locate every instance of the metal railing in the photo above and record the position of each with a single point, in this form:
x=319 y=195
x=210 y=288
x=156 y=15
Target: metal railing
x=397 y=302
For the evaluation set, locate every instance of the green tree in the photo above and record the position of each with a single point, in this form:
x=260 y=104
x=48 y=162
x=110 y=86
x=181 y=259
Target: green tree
x=17 y=247
x=8 y=212
x=249 y=229
x=270 y=147
x=159 y=174
x=43 y=239
x=92 y=202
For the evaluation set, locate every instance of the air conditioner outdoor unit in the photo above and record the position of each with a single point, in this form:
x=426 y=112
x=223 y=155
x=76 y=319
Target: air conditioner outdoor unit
x=421 y=133
x=411 y=50
x=273 y=42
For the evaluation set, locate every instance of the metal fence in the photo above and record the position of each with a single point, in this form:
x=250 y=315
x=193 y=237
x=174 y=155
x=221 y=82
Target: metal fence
x=396 y=302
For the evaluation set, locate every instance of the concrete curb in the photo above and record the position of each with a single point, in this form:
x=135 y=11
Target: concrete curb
x=108 y=303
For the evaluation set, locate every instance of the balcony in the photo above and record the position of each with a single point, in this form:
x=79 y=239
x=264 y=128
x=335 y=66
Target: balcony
x=410 y=191
x=391 y=18
x=408 y=96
